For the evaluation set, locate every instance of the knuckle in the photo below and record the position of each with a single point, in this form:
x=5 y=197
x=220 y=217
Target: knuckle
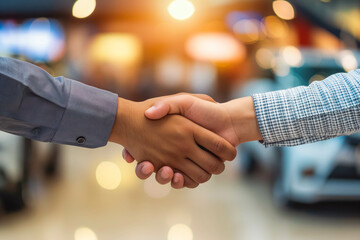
x=219 y=146
x=218 y=168
x=204 y=177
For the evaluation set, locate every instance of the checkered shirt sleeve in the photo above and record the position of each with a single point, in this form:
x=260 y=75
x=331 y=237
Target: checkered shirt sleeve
x=301 y=115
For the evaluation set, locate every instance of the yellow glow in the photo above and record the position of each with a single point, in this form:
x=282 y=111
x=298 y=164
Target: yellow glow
x=116 y=48
x=180 y=232
x=83 y=8
x=108 y=175
x=215 y=47
x=154 y=190
x=128 y=178
x=265 y=58
x=275 y=27
x=181 y=9
x=348 y=61
x=316 y=77
x=283 y=9
x=84 y=234
x=292 y=56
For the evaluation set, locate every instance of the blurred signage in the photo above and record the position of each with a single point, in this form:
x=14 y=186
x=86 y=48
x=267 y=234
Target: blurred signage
x=40 y=40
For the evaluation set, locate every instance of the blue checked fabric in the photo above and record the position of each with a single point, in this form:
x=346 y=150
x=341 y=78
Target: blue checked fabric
x=301 y=115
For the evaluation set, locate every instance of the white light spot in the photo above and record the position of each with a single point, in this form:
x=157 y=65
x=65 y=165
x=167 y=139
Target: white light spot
x=180 y=232
x=84 y=234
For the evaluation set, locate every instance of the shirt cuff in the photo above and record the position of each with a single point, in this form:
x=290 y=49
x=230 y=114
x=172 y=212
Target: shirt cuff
x=88 y=118
x=276 y=118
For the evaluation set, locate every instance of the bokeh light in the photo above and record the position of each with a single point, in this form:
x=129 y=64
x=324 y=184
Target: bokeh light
x=281 y=70
x=316 y=77
x=116 y=48
x=283 y=9
x=248 y=30
x=180 y=232
x=181 y=9
x=265 y=58
x=84 y=233
x=215 y=47
x=292 y=56
x=108 y=175
x=155 y=190
x=83 y=8
x=274 y=27
x=348 y=61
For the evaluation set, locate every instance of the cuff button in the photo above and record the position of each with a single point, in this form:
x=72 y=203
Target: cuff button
x=81 y=140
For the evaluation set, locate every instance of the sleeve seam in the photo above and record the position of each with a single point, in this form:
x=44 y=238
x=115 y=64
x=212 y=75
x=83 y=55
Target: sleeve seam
x=63 y=114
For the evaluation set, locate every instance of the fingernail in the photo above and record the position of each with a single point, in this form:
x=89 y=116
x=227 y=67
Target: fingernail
x=145 y=170
x=165 y=174
x=151 y=109
x=176 y=179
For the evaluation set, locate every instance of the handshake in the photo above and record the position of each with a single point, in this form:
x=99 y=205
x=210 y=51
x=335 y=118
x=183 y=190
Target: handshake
x=183 y=138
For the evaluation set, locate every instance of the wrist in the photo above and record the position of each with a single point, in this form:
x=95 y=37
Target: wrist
x=121 y=123
x=243 y=118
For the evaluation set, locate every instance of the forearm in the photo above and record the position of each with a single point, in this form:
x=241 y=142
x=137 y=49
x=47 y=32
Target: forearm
x=33 y=104
x=302 y=115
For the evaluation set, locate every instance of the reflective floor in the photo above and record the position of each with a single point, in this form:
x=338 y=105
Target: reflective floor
x=80 y=205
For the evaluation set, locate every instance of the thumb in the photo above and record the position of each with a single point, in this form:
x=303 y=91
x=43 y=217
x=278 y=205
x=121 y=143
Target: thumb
x=170 y=105
x=158 y=110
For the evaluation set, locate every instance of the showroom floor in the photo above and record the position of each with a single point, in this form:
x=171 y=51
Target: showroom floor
x=80 y=206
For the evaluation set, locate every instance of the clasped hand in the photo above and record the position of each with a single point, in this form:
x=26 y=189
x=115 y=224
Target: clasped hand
x=186 y=149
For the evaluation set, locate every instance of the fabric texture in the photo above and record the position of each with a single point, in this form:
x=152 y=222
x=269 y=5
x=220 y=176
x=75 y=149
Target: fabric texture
x=320 y=111
x=36 y=105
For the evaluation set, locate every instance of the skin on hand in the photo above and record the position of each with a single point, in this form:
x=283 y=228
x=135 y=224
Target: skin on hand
x=172 y=141
x=234 y=120
x=144 y=170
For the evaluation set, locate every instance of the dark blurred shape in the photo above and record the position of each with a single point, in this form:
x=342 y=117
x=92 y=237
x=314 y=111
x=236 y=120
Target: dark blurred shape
x=23 y=164
x=35 y=8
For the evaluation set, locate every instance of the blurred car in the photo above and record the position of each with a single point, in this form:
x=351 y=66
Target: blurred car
x=23 y=162
x=326 y=170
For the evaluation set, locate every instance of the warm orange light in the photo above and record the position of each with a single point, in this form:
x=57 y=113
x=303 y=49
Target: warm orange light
x=215 y=47
x=83 y=8
x=275 y=27
x=181 y=9
x=283 y=9
x=116 y=48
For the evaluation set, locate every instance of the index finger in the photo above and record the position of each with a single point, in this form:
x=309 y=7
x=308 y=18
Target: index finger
x=214 y=144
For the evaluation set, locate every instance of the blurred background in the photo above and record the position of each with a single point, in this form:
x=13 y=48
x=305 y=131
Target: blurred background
x=146 y=48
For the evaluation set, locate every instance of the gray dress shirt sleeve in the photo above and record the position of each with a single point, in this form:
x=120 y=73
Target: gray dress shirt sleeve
x=36 y=105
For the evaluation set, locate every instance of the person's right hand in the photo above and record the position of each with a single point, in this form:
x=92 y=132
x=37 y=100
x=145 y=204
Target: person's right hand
x=173 y=141
x=234 y=120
